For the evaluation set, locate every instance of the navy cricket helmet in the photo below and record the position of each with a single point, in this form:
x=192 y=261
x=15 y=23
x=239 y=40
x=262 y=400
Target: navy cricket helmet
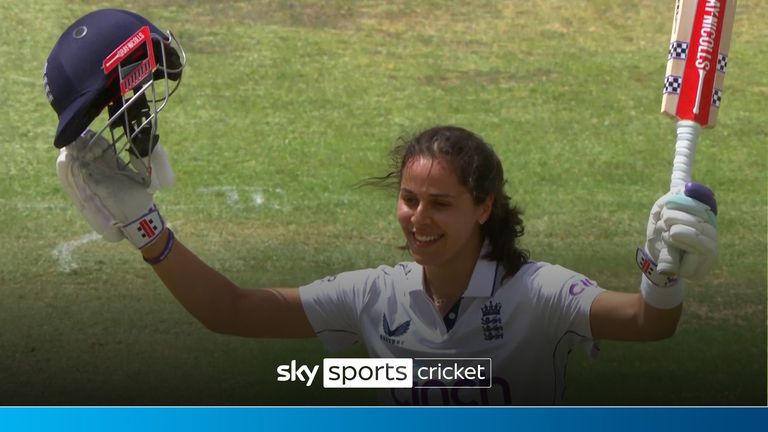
x=111 y=58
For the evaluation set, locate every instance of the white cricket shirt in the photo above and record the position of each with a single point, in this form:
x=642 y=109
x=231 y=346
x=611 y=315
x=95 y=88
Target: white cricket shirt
x=527 y=325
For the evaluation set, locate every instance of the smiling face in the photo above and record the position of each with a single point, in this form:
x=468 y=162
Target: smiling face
x=439 y=218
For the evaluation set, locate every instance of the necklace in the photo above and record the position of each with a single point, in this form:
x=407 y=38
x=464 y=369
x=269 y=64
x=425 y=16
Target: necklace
x=439 y=301
x=442 y=301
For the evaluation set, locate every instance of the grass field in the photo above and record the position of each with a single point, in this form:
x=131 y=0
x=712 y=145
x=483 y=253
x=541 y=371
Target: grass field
x=285 y=106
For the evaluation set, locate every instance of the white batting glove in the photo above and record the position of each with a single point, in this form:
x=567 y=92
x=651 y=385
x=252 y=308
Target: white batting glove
x=160 y=173
x=685 y=221
x=116 y=200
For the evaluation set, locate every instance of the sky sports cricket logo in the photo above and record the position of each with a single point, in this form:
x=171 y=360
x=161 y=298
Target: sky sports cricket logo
x=392 y=372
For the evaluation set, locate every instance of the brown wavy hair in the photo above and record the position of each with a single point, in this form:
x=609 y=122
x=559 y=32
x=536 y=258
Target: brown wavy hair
x=479 y=169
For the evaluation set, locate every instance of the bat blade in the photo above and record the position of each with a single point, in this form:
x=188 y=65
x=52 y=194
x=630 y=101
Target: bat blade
x=697 y=60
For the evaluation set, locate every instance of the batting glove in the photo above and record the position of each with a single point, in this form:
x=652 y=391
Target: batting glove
x=685 y=222
x=115 y=197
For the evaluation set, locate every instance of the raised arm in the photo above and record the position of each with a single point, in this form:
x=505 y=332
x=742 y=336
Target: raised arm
x=220 y=304
x=687 y=221
x=118 y=203
x=624 y=316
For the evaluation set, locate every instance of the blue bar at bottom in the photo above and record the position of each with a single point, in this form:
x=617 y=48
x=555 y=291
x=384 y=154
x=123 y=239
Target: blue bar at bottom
x=370 y=419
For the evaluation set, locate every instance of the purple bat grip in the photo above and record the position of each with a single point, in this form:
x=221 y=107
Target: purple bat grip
x=702 y=194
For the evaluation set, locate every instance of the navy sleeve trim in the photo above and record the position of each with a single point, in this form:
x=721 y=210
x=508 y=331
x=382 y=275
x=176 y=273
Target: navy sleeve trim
x=336 y=331
x=565 y=366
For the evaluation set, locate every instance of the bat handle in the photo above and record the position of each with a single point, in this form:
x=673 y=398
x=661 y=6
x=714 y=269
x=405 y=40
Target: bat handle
x=682 y=168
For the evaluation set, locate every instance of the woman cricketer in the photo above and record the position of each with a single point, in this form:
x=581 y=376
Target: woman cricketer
x=469 y=291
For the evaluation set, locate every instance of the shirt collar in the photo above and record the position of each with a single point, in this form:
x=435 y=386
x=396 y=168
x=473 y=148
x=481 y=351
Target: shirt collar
x=414 y=274
x=483 y=280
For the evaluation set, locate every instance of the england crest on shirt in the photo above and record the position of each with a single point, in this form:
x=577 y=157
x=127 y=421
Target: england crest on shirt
x=493 y=328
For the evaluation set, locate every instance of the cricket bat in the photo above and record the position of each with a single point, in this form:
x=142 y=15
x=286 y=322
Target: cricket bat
x=693 y=84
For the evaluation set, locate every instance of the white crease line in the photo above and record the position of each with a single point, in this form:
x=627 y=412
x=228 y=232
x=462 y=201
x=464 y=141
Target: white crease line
x=230 y=192
x=63 y=251
x=231 y=196
x=257 y=198
x=39 y=205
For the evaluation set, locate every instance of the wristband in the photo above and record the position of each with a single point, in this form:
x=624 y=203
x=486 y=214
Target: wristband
x=662 y=297
x=145 y=228
x=659 y=291
x=648 y=267
x=166 y=251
